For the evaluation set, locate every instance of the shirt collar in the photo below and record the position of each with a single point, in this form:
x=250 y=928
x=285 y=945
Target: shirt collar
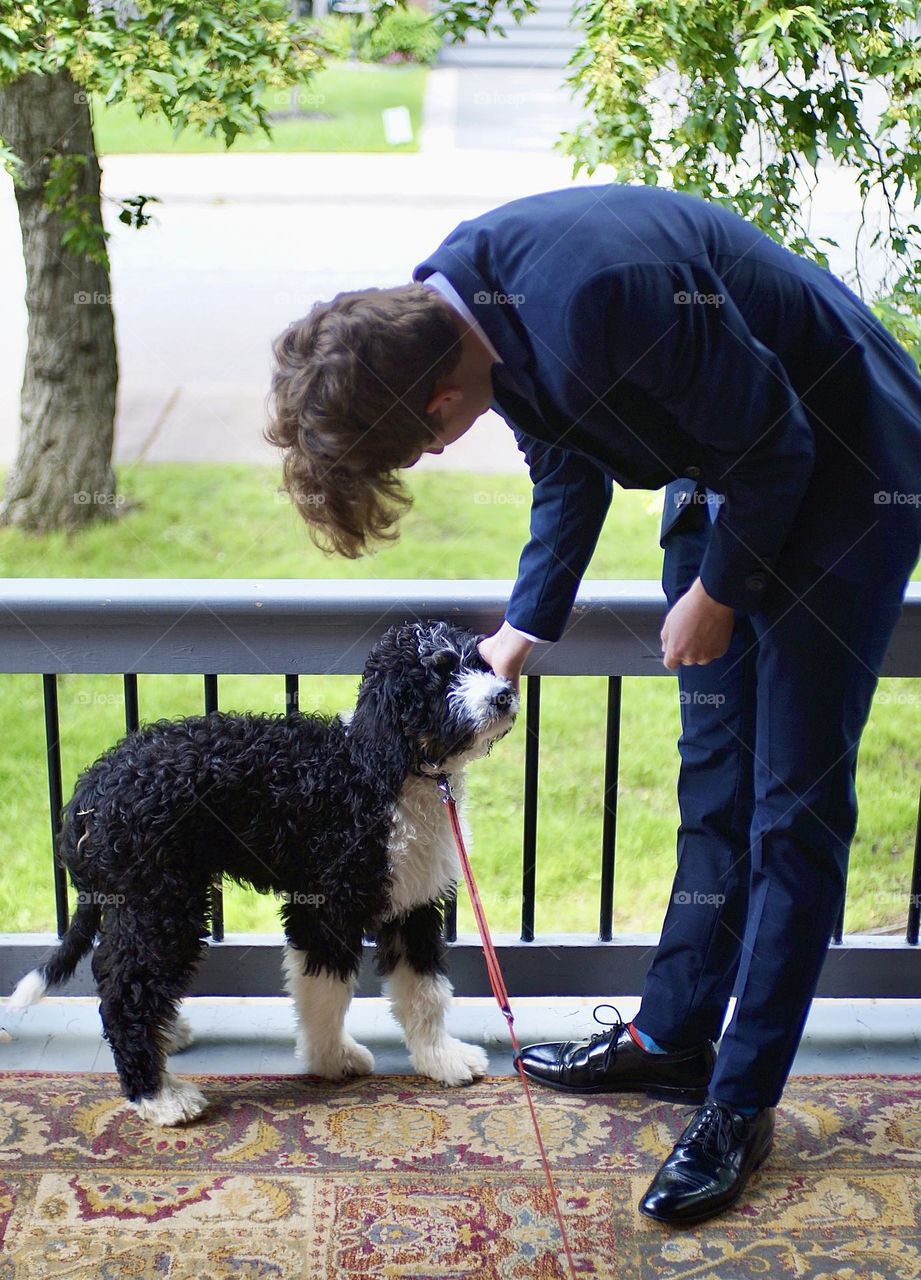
x=443 y=285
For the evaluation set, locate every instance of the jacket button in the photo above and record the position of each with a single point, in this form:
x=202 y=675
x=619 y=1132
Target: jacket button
x=755 y=581
x=692 y=472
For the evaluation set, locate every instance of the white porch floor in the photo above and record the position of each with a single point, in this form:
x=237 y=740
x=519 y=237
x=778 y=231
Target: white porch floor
x=256 y=1035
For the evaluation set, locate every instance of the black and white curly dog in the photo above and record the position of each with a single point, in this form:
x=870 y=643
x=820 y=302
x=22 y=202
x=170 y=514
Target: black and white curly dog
x=340 y=815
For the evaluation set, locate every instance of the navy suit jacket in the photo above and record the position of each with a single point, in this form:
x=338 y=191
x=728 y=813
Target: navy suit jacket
x=651 y=338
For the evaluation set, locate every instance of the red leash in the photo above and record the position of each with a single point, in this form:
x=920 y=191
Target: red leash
x=501 y=994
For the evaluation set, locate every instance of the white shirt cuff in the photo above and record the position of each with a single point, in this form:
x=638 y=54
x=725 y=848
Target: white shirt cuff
x=527 y=635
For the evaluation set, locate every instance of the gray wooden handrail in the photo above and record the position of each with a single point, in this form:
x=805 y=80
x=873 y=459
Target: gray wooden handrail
x=311 y=626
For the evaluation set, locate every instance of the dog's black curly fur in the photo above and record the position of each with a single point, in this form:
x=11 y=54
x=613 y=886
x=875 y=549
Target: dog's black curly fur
x=300 y=805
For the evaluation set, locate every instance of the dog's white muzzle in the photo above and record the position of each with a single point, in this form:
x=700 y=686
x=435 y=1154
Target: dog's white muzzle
x=484 y=699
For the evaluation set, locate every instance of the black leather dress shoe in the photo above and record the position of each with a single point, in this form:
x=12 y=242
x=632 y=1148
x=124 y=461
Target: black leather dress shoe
x=611 y=1061
x=710 y=1164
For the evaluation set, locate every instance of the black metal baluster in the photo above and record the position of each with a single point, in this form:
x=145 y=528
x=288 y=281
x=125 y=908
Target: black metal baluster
x=914 y=901
x=838 y=934
x=609 y=829
x=450 y=916
x=55 y=796
x=217 y=893
x=130 y=681
x=292 y=693
x=529 y=830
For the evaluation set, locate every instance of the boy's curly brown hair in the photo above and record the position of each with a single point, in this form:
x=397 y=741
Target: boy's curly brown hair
x=347 y=406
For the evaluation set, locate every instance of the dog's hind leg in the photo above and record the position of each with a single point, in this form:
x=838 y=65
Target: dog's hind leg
x=179 y=1036
x=321 y=999
x=141 y=970
x=410 y=951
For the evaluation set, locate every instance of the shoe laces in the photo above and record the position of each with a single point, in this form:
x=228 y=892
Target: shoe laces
x=713 y=1128
x=612 y=1032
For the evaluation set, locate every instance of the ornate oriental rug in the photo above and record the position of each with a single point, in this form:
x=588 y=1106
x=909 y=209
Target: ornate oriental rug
x=289 y=1178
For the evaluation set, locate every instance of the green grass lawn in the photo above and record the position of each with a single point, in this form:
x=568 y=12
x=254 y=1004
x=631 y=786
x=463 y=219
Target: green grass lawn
x=228 y=521
x=352 y=95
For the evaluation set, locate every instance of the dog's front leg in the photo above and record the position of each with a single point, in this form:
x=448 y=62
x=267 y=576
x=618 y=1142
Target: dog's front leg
x=320 y=1002
x=410 y=951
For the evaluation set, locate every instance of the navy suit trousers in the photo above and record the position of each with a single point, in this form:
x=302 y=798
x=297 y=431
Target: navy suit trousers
x=768 y=808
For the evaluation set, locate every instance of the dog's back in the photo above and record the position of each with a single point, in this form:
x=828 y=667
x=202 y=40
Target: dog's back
x=198 y=796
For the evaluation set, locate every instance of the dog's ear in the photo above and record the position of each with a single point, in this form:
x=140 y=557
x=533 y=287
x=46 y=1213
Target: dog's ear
x=442 y=660
x=377 y=731
x=390 y=708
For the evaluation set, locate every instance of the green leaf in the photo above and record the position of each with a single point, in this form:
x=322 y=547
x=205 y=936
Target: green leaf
x=164 y=80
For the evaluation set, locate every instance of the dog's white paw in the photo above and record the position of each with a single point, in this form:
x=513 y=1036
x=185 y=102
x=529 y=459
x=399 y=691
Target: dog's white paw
x=177 y=1102
x=179 y=1036
x=349 y=1058
x=451 y=1061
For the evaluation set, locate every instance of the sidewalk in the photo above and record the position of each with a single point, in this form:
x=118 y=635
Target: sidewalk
x=514 y=110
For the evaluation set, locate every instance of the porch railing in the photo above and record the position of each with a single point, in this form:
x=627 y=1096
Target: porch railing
x=292 y=627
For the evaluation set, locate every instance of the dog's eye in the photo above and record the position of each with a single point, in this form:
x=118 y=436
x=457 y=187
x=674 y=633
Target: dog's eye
x=442 y=660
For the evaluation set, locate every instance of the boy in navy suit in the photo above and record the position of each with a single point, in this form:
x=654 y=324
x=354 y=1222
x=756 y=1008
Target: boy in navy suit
x=642 y=336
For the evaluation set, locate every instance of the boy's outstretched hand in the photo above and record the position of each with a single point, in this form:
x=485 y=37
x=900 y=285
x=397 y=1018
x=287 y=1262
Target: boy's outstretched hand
x=697 y=629
x=505 y=651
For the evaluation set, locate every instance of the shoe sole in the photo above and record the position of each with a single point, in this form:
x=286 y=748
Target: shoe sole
x=711 y=1213
x=664 y=1093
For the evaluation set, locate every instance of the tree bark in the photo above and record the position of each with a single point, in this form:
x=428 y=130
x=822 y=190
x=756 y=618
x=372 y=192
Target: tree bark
x=62 y=476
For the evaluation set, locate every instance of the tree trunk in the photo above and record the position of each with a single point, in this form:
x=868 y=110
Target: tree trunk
x=63 y=476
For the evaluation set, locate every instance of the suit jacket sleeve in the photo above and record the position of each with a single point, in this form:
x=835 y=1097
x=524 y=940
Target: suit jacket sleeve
x=674 y=330
x=569 y=502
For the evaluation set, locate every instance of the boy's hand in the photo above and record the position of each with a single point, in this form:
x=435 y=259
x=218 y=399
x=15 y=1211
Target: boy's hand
x=697 y=629
x=505 y=651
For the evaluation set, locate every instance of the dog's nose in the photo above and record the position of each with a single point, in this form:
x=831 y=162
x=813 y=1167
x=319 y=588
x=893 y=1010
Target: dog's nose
x=504 y=700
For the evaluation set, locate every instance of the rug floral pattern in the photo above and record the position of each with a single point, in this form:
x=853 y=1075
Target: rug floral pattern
x=290 y=1178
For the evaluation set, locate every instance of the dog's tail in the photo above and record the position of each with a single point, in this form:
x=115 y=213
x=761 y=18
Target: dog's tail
x=58 y=968
x=84 y=926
